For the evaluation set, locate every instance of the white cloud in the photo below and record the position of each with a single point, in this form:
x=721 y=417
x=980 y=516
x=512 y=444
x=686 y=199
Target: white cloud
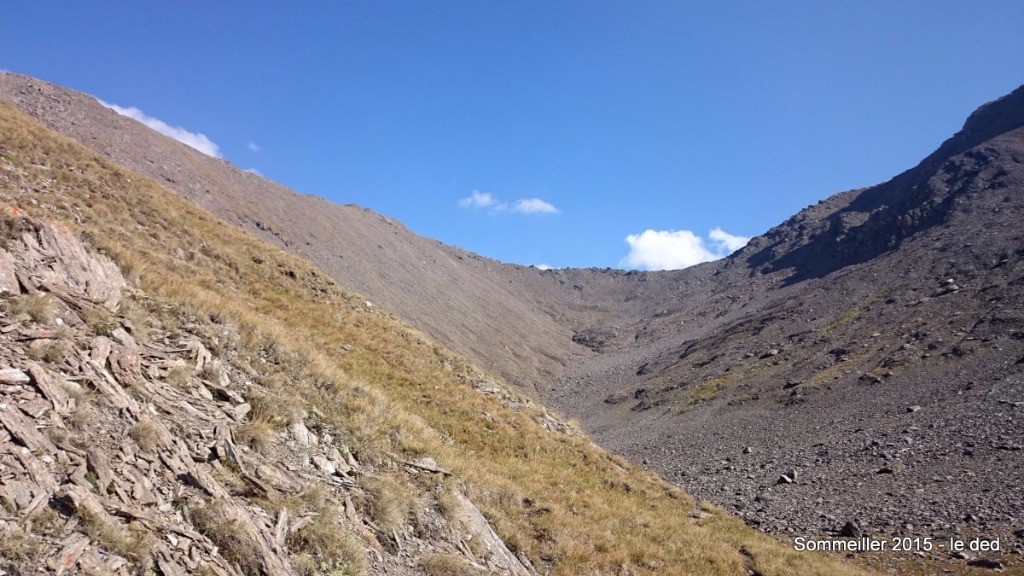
x=478 y=200
x=543 y=266
x=726 y=241
x=196 y=140
x=254 y=147
x=254 y=171
x=674 y=249
x=533 y=206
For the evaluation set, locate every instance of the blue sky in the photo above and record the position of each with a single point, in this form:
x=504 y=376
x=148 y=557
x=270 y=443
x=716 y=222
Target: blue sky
x=593 y=133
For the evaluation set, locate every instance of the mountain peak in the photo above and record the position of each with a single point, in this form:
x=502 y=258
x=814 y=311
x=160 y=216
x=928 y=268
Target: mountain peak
x=994 y=118
x=859 y=225
x=997 y=117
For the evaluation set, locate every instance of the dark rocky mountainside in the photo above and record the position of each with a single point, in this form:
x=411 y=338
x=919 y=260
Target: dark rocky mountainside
x=873 y=345
x=862 y=362
x=877 y=219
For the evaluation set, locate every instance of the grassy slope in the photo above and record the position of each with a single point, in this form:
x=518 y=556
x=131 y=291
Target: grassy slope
x=557 y=498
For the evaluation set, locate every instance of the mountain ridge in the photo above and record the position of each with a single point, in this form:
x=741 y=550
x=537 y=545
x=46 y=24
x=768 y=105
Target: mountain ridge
x=878 y=217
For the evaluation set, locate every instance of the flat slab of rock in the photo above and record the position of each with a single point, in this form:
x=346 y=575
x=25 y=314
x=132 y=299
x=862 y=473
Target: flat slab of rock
x=55 y=255
x=13 y=376
x=24 y=430
x=496 y=553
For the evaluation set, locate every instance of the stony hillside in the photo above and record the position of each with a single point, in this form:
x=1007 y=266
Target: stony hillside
x=407 y=274
x=180 y=397
x=126 y=441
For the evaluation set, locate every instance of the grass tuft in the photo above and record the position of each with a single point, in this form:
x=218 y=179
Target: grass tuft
x=324 y=546
x=17 y=545
x=36 y=308
x=179 y=375
x=390 y=501
x=447 y=565
x=270 y=415
x=214 y=521
x=130 y=541
x=52 y=350
x=145 y=434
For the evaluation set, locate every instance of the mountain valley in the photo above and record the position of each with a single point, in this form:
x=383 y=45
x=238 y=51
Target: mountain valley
x=856 y=370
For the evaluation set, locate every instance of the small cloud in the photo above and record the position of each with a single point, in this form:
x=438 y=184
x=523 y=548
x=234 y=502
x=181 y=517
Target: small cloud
x=534 y=206
x=254 y=147
x=254 y=171
x=543 y=266
x=478 y=200
x=665 y=250
x=196 y=140
x=485 y=200
x=675 y=249
x=726 y=241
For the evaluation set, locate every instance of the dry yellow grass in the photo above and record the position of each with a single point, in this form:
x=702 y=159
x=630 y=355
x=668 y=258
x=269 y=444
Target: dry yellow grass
x=213 y=521
x=18 y=546
x=447 y=565
x=324 y=546
x=38 y=308
x=49 y=350
x=145 y=434
x=558 y=499
x=391 y=502
x=129 y=541
x=179 y=375
x=269 y=416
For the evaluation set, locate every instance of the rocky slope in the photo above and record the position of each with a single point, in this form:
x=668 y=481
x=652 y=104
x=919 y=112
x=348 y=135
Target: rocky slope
x=130 y=455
